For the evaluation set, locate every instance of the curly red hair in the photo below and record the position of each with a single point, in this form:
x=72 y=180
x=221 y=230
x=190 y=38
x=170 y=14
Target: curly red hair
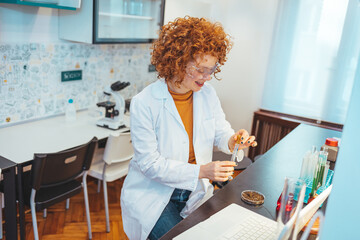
x=182 y=40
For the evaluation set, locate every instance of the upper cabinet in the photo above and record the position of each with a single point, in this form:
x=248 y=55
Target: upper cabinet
x=113 y=21
x=61 y=4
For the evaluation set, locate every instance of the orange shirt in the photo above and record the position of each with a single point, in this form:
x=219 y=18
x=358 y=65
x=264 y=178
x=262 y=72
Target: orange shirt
x=184 y=105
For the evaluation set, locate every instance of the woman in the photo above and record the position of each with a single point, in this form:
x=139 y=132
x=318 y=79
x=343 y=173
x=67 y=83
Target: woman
x=175 y=123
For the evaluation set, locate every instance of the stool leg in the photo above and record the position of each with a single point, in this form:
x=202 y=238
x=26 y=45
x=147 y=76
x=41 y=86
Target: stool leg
x=67 y=203
x=106 y=206
x=1 y=226
x=87 y=204
x=106 y=199
x=99 y=185
x=33 y=214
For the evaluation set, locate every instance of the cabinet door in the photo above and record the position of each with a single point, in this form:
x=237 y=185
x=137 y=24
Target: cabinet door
x=127 y=20
x=60 y=4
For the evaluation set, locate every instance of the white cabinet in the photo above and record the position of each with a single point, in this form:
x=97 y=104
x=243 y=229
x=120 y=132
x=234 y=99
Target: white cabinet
x=112 y=21
x=61 y=4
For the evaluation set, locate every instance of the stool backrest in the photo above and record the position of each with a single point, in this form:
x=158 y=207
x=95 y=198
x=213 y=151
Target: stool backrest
x=118 y=148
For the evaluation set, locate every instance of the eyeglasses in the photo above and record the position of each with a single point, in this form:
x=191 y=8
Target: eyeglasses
x=196 y=71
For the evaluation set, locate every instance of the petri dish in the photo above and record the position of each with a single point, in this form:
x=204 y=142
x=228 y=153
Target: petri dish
x=252 y=197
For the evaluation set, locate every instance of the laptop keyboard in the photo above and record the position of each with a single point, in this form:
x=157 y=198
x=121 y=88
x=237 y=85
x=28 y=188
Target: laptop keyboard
x=252 y=228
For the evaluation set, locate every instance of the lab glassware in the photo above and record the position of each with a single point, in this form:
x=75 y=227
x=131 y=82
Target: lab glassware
x=332 y=146
x=70 y=111
x=291 y=198
x=234 y=156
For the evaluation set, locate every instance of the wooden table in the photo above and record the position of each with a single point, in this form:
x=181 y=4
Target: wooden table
x=8 y=171
x=265 y=175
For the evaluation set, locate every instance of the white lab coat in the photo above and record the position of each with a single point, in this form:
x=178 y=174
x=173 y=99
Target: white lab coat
x=160 y=163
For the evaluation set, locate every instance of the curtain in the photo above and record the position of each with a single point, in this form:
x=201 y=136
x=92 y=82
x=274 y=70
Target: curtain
x=313 y=59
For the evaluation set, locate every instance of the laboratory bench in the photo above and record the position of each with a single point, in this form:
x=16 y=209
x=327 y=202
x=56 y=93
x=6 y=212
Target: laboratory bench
x=265 y=175
x=19 y=142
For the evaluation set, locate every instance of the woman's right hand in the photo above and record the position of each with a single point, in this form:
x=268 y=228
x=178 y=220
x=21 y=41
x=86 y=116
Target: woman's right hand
x=217 y=170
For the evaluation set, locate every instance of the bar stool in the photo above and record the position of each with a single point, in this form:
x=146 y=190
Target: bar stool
x=111 y=164
x=53 y=179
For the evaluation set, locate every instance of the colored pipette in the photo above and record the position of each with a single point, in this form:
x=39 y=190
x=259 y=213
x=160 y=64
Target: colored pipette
x=234 y=154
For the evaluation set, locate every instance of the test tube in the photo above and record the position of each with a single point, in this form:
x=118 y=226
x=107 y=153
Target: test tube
x=235 y=151
x=322 y=162
x=304 y=166
x=313 y=149
x=312 y=166
x=315 y=179
x=327 y=165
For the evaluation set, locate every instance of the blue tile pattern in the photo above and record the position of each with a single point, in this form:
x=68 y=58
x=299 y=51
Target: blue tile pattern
x=30 y=76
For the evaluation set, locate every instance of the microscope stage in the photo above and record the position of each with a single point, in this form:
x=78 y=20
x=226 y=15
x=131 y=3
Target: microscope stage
x=110 y=123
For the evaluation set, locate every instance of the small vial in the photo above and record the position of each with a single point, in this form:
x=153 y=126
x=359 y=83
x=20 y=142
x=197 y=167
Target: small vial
x=332 y=147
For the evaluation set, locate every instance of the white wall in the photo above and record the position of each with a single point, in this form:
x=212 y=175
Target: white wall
x=250 y=23
x=32 y=59
x=181 y=8
x=28 y=24
x=342 y=211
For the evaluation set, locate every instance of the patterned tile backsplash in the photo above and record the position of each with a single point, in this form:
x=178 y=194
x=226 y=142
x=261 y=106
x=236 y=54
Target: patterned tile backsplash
x=30 y=76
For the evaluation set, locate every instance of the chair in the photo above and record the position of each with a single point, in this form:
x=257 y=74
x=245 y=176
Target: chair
x=112 y=164
x=53 y=179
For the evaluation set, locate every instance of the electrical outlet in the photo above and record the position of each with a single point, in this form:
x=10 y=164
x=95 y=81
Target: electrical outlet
x=152 y=68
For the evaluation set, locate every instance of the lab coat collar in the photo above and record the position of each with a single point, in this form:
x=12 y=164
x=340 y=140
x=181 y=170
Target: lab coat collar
x=197 y=112
x=160 y=91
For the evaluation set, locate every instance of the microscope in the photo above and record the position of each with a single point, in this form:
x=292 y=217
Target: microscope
x=114 y=111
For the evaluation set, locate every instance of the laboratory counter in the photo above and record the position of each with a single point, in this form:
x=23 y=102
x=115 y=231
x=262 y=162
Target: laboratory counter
x=265 y=175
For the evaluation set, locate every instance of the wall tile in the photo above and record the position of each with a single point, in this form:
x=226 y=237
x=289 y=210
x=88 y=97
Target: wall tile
x=30 y=76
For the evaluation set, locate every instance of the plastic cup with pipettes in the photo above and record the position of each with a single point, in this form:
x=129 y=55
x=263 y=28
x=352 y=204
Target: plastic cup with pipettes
x=289 y=205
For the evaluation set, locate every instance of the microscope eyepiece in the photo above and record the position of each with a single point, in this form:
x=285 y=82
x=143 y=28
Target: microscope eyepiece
x=117 y=86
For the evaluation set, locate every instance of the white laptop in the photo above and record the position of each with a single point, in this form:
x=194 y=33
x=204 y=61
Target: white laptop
x=228 y=222
x=237 y=222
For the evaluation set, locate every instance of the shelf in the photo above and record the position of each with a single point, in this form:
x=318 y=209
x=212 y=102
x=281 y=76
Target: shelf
x=111 y=21
x=124 y=16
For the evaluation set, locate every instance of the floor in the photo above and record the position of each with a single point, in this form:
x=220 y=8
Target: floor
x=62 y=224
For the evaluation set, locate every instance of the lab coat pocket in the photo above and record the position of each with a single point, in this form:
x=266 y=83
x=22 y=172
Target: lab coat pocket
x=202 y=193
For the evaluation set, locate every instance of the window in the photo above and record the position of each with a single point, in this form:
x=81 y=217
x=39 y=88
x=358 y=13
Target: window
x=313 y=59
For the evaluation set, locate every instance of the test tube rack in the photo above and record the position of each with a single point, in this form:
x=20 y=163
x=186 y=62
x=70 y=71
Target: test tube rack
x=309 y=183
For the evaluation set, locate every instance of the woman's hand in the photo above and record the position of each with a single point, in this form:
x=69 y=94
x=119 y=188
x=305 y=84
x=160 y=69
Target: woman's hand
x=242 y=137
x=217 y=170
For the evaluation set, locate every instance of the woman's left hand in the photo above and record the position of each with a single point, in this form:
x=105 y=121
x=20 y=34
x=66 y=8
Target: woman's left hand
x=242 y=137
